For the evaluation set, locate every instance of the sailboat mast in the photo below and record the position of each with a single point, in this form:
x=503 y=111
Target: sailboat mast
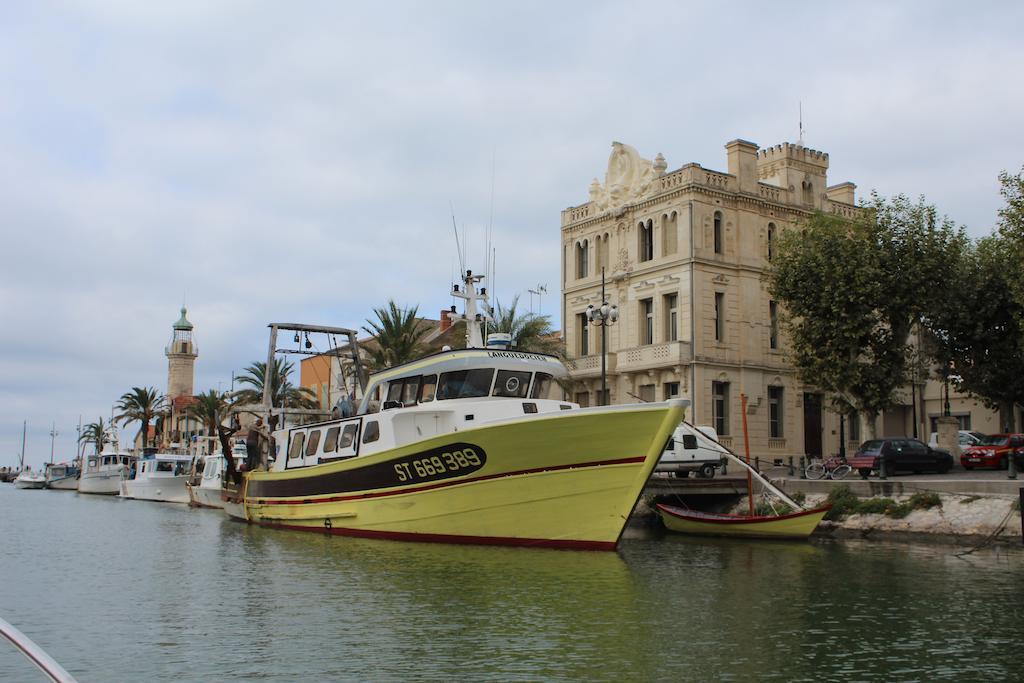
x=746 y=449
x=24 y=427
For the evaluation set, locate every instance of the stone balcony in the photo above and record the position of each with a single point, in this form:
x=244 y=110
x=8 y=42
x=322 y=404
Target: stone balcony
x=653 y=356
x=590 y=366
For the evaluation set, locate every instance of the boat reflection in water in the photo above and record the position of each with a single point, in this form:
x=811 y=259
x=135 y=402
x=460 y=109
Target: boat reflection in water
x=469 y=446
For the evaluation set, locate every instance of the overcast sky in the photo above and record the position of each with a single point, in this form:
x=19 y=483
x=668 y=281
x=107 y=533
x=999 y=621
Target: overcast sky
x=297 y=161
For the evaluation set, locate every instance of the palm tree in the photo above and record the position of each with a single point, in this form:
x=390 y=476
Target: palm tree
x=529 y=332
x=141 y=405
x=95 y=432
x=283 y=394
x=399 y=334
x=210 y=409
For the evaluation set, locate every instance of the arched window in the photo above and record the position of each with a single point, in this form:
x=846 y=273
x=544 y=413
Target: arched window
x=771 y=239
x=581 y=259
x=808 y=192
x=669 y=233
x=646 y=247
x=602 y=250
x=718 y=232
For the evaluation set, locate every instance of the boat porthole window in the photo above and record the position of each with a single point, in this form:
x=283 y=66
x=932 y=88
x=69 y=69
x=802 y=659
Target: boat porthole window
x=372 y=431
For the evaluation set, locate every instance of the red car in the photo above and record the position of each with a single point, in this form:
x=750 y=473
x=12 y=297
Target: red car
x=993 y=450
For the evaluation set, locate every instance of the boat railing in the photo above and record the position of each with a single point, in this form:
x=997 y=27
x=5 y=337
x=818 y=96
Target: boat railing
x=35 y=654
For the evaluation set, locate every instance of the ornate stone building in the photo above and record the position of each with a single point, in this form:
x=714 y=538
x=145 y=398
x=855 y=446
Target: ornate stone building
x=683 y=252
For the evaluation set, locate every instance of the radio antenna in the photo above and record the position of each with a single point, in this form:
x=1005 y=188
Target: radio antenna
x=800 y=140
x=458 y=247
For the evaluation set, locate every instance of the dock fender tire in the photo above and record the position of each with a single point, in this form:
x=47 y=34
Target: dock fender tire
x=683 y=474
x=864 y=472
x=707 y=471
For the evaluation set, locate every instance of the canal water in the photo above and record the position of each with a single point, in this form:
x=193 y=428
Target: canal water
x=133 y=591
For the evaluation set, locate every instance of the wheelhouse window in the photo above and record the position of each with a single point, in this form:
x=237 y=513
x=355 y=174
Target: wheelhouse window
x=428 y=387
x=541 y=385
x=410 y=390
x=465 y=384
x=313 y=443
x=372 y=431
x=512 y=384
x=164 y=466
x=331 y=440
x=394 y=391
x=295 y=448
x=348 y=436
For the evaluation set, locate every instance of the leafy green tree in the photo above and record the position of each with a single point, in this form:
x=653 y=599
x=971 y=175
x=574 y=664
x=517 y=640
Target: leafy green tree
x=978 y=328
x=283 y=394
x=1011 y=230
x=94 y=433
x=852 y=290
x=210 y=408
x=141 y=405
x=399 y=336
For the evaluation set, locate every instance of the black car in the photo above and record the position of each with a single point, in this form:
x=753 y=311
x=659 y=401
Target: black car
x=900 y=454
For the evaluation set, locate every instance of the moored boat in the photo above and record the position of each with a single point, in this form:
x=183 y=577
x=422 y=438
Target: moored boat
x=207 y=493
x=800 y=524
x=469 y=446
x=159 y=477
x=61 y=477
x=27 y=479
x=103 y=472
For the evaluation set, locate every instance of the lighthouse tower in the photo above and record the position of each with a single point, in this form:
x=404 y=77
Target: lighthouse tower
x=181 y=359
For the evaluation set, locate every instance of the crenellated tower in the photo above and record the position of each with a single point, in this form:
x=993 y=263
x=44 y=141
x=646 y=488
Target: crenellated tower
x=800 y=170
x=181 y=359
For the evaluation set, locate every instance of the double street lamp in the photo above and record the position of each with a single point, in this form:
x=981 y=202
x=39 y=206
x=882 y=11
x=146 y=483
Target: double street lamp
x=603 y=316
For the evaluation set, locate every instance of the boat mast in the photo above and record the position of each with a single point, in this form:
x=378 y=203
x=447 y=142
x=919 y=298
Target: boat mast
x=473 y=318
x=21 y=464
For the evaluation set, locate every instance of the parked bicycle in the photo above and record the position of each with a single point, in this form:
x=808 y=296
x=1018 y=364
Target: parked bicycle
x=833 y=468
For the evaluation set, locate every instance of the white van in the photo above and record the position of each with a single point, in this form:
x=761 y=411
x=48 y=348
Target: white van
x=692 y=450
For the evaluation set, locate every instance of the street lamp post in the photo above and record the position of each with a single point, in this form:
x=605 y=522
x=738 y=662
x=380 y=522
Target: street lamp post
x=602 y=317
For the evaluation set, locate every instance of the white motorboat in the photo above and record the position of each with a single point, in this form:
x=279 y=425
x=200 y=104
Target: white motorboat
x=103 y=472
x=159 y=477
x=207 y=492
x=30 y=480
x=62 y=477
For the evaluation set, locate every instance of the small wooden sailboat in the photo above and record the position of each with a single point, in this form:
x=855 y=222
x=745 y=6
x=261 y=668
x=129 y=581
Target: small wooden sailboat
x=800 y=524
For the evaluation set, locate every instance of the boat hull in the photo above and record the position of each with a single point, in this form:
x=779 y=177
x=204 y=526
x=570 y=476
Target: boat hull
x=204 y=497
x=33 y=483
x=63 y=484
x=567 y=480
x=158 y=489
x=100 y=483
x=797 y=525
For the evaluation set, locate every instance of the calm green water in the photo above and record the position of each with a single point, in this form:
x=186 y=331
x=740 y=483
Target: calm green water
x=134 y=591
